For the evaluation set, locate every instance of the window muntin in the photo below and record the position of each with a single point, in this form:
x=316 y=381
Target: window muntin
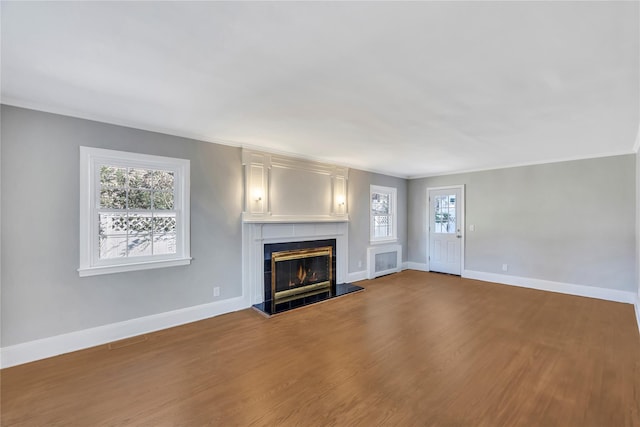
x=383 y=214
x=136 y=215
x=445 y=214
x=134 y=211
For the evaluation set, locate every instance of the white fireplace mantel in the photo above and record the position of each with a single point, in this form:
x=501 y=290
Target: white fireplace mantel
x=256 y=234
x=287 y=190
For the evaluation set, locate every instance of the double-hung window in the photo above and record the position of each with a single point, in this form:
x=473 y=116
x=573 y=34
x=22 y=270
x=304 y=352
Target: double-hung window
x=383 y=214
x=134 y=211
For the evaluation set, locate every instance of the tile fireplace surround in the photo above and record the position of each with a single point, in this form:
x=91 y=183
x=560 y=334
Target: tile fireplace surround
x=256 y=235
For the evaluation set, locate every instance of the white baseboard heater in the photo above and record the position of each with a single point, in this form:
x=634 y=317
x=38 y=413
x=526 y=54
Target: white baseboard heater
x=383 y=259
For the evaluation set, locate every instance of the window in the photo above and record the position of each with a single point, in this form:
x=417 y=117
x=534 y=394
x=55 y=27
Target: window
x=383 y=214
x=445 y=214
x=134 y=211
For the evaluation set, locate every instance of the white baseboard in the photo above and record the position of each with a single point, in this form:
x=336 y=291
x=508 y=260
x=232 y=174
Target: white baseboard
x=73 y=341
x=547 y=285
x=417 y=266
x=357 y=276
x=637 y=304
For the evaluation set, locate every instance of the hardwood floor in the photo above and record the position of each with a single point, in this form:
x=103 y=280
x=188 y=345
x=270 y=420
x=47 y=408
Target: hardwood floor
x=413 y=349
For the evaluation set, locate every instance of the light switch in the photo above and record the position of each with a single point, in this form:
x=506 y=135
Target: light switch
x=472 y=227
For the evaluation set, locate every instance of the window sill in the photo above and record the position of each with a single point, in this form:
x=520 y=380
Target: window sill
x=109 y=269
x=382 y=242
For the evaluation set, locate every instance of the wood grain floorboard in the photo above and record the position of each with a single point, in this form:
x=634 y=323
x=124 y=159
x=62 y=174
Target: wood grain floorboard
x=414 y=349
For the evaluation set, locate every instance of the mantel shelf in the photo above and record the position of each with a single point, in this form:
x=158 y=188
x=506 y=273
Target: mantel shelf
x=271 y=219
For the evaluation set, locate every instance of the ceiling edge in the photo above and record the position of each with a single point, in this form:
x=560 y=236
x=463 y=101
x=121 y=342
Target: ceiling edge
x=517 y=165
x=197 y=137
x=202 y=138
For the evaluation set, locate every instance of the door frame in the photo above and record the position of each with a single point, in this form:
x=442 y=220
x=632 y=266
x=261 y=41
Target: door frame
x=461 y=224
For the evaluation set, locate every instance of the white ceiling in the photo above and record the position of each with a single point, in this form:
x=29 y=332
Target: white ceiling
x=409 y=89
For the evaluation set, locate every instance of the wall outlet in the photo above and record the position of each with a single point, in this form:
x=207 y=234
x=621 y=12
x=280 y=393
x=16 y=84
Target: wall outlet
x=359 y=264
x=505 y=267
x=216 y=291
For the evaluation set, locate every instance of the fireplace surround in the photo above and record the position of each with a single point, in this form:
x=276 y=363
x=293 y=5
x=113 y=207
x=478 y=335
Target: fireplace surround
x=262 y=239
x=289 y=200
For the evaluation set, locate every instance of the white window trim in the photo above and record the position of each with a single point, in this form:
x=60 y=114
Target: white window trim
x=90 y=158
x=394 y=214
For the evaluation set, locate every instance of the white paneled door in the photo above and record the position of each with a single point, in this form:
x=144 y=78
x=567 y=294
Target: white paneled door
x=446 y=227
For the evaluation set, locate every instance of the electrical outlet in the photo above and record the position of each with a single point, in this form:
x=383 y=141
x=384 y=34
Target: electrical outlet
x=505 y=267
x=359 y=264
x=216 y=291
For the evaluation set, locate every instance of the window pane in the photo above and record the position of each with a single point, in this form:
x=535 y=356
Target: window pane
x=113 y=247
x=382 y=226
x=164 y=243
x=112 y=223
x=163 y=180
x=162 y=200
x=445 y=214
x=164 y=223
x=139 y=199
x=139 y=223
x=139 y=245
x=380 y=203
x=111 y=176
x=140 y=178
x=113 y=199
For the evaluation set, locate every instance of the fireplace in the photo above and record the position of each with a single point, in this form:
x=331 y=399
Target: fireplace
x=294 y=269
x=300 y=273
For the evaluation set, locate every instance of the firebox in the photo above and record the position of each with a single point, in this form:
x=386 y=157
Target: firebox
x=300 y=272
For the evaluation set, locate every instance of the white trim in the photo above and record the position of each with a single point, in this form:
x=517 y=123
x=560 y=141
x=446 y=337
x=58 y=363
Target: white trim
x=636 y=145
x=357 y=276
x=637 y=307
x=405 y=265
x=547 y=285
x=73 y=341
x=248 y=217
x=393 y=213
x=417 y=266
x=462 y=222
x=372 y=251
x=518 y=165
x=91 y=159
x=259 y=168
x=256 y=235
x=95 y=271
x=83 y=115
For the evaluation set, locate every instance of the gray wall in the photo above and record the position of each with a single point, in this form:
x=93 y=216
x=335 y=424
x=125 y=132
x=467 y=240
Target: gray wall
x=638 y=226
x=358 y=200
x=42 y=294
x=569 y=222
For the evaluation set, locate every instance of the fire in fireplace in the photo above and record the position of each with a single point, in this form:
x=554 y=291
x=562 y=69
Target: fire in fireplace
x=297 y=274
x=301 y=272
x=297 y=269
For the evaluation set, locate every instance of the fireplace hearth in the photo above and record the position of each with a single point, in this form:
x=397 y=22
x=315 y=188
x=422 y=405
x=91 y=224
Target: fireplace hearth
x=297 y=274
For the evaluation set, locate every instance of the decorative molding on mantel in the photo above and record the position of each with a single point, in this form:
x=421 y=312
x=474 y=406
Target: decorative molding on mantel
x=284 y=189
x=248 y=217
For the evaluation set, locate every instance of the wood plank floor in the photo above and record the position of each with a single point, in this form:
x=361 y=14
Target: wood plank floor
x=415 y=348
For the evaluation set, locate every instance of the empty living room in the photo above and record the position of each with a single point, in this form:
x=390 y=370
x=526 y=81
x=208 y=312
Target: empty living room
x=320 y=213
